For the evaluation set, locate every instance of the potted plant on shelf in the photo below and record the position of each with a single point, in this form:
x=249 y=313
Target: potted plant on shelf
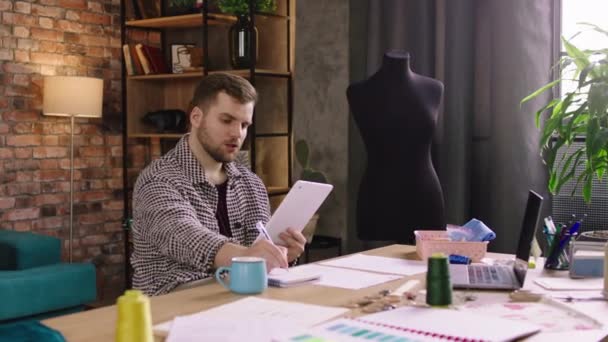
x=580 y=113
x=240 y=34
x=311 y=175
x=181 y=7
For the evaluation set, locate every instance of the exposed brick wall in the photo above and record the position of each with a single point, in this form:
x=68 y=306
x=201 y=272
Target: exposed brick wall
x=63 y=37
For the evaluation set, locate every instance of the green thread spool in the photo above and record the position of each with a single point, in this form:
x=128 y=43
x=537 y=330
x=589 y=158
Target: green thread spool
x=438 y=284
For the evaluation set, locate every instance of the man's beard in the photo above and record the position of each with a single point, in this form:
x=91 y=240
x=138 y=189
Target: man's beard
x=215 y=152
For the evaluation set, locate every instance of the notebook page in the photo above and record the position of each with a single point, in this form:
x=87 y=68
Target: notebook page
x=349 y=330
x=379 y=264
x=452 y=323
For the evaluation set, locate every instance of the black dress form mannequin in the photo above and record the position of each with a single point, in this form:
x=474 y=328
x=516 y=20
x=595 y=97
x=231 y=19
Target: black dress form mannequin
x=396 y=111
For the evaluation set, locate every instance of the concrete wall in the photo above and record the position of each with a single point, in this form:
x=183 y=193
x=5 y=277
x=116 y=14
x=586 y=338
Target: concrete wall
x=320 y=108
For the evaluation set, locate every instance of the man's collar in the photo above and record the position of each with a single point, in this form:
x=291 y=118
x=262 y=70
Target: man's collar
x=192 y=167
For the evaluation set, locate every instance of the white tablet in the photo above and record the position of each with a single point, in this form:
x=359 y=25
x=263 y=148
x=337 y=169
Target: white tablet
x=297 y=208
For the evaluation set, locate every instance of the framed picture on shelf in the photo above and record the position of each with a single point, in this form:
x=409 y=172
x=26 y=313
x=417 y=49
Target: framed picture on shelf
x=185 y=58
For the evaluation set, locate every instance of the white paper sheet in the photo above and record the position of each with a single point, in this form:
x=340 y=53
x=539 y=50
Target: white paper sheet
x=570 y=284
x=551 y=315
x=345 y=278
x=379 y=264
x=257 y=311
x=194 y=329
x=578 y=335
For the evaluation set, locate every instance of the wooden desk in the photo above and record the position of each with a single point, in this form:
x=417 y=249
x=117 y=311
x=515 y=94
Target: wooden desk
x=99 y=324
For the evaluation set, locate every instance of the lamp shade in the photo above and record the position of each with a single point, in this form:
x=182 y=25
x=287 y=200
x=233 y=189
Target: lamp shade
x=73 y=96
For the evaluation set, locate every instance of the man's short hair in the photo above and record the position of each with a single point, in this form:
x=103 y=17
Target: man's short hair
x=233 y=85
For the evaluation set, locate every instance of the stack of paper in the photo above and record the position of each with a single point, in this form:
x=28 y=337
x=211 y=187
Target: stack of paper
x=281 y=277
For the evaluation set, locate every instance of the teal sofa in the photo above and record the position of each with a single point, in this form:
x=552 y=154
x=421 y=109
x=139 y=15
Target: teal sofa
x=35 y=284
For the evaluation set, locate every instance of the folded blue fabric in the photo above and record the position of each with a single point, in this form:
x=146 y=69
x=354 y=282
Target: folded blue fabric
x=474 y=230
x=29 y=331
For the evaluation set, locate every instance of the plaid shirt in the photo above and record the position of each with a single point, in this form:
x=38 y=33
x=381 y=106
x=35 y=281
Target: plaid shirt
x=175 y=231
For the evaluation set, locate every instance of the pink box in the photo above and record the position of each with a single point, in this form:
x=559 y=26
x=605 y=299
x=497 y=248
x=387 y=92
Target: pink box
x=437 y=241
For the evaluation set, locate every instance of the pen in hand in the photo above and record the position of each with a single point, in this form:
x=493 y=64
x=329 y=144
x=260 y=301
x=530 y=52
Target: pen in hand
x=263 y=232
x=264 y=235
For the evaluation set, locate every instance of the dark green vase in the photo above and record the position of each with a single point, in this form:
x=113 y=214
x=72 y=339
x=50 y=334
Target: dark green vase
x=240 y=42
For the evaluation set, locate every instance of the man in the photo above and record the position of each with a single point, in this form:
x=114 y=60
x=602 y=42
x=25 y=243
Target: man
x=194 y=209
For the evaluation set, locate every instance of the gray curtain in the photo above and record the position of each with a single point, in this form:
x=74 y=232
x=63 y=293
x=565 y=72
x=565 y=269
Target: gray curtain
x=489 y=54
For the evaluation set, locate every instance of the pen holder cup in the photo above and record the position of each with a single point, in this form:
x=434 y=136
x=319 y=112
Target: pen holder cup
x=557 y=251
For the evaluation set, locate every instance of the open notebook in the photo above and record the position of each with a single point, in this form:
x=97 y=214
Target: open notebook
x=280 y=277
x=360 y=330
x=445 y=324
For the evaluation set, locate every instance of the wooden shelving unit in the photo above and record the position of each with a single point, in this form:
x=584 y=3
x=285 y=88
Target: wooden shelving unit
x=269 y=140
x=191 y=20
x=241 y=72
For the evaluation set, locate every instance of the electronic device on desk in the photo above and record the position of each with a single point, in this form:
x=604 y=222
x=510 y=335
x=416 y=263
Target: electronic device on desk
x=297 y=208
x=587 y=259
x=477 y=276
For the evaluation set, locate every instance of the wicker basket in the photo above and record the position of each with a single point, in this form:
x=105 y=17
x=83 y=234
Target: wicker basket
x=437 y=241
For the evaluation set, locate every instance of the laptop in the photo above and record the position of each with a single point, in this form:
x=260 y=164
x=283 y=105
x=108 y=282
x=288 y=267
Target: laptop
x=480 y=276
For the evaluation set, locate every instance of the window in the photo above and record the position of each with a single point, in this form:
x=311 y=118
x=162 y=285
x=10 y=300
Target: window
x=583 y=11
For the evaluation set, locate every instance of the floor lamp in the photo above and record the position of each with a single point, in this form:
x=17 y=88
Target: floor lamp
x=73 y=97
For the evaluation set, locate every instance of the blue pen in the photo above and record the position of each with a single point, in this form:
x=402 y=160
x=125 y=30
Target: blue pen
x=555 y=249
x=575 y=227
x=565 y=236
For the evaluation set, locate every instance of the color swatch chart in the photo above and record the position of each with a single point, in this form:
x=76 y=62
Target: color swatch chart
x=347 y=330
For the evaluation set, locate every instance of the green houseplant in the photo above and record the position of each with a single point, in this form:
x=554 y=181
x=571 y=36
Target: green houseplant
x=311 y=175
x=241 y=7
x=303 y=158
x=582 y=112
x=180 y=7
x=243 y=35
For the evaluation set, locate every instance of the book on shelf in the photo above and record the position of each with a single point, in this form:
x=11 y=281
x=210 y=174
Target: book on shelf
x=137 y=67
x=156 y=59
x=128 y=61
x=142 y=59
x=133 y=12
x=149 y=8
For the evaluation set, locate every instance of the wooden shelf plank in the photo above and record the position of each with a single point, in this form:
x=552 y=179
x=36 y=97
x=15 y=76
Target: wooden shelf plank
x=181 y=21
x=245 y=72
x=198 y=74
x=190 y=20
x=240 y=72
x=156 y=135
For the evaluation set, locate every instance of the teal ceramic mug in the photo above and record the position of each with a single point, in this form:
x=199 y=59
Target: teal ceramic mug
x=247 y=275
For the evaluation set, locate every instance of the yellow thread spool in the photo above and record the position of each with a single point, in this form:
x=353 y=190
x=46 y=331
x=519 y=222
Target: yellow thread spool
x=134 y=323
